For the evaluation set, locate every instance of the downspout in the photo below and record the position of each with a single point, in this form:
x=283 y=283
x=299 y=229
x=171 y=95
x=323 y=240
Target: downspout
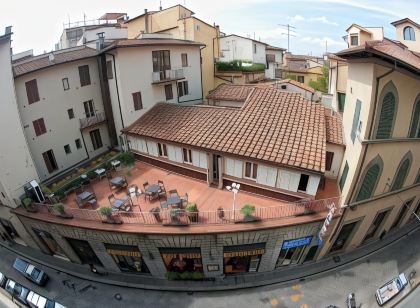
x=201 y=75
x=84 y=143
x=116 y=86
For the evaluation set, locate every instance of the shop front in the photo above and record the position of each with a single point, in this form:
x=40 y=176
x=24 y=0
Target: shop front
x=49 y=242
x=242 y=258
x=128 y=258
x=182 y=263
x=292 y=251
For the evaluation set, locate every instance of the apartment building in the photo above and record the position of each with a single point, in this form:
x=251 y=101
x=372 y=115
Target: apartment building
x=358 y=35
x=337 y=82
x=180 y=23
x=274 y=59
x=408 y=33
x=302 y=68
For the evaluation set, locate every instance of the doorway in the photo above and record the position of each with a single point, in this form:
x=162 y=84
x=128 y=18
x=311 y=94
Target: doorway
x=216 y=173
x=84 y=251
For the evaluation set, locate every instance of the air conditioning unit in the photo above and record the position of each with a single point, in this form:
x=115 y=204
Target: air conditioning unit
x=33 y=190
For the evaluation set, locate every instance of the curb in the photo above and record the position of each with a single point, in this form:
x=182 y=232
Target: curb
x=395 y=305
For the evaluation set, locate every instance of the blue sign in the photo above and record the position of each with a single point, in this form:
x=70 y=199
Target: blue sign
x=297 y=242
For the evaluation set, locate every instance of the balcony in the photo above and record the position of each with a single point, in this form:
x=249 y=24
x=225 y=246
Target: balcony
x=97 y=118
x=167 y=75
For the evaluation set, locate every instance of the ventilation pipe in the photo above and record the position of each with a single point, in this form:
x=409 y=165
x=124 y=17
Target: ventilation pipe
x=101 y=40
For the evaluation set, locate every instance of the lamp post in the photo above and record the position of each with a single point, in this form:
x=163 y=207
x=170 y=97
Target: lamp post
x=234 y=189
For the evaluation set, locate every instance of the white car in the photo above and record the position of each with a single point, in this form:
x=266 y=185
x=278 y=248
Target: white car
x=37 y=301
x=391 y=289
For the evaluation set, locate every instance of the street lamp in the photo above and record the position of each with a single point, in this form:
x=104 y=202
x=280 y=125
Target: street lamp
x=234 y=189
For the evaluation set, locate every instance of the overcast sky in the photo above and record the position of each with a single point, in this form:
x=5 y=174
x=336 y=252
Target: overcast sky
x=38 y=24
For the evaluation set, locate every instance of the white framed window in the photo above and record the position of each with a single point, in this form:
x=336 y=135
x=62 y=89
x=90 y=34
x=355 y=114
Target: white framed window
x=251 y=170
x=163 y=151
x=187 y=156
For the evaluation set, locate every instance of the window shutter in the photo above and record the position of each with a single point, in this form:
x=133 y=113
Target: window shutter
x=180 y=89
x=284 y=179
x=32 y=91
x=386 y=117
x=401 y=175
x=415 y=124
x=344 y=176
x=238 y=168
x=369 y=183
x=47 y=162
x=341 y=101
x=328 y=160
x=230 y=166
x=203 y=160
x=138 y=104
x=356 y=118
x=262 y=175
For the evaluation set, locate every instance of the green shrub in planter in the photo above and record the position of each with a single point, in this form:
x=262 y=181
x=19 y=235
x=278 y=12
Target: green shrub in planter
x=197 y=275
x=185 y=275
x=172 y=275
x=105 y=211
x=248 y=210
x=192 y=208
x=59 y=207
x=127 y=158
x=27 y=202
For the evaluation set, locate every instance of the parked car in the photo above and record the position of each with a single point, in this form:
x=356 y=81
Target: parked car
x=391 y=289
x=31 y=272
x=2 y=280
x=17 y=291
x=37 y=301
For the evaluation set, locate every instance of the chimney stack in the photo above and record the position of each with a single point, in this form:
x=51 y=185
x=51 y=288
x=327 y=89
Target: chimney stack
x=101 y=40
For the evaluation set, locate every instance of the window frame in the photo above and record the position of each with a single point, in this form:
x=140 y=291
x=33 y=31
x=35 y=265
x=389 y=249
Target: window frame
x=137 y=101
x=162 y=150
x=414 y=131
x=375 y=161
x=183 y=89
x=356 y=120
x=32 y=92
x=78 y=143
x=39 y=127
x=343 y=177
x=341 y=106
x=66 y=84
x=411 y=34
x=51 y=165
x=184 y=59
x=84 y=75
x=109 y=70
x=253 y=170
x=70 y=113
x=388 y=88
x=329 y=162
x=89 y=108
x=67 y=149
x=354 y=36
x=300 y=77
x=307 y=182
x=96 y=139
x=369 y=234
x=187 y=156
x=169 y=86
x=407 y=157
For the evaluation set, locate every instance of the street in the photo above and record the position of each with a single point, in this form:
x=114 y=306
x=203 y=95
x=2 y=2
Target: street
x=362 y=277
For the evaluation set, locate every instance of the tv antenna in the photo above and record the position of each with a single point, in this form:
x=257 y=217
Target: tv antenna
x=289 y=29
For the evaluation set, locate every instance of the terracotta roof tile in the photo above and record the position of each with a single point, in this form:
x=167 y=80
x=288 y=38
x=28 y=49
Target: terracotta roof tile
x=297 y=84
x=225 y=92
x=334 y=129
x=273 y=125
x=150 y=42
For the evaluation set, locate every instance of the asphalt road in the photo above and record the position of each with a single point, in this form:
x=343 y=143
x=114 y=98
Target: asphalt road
x=411 y=301
x=362 y=277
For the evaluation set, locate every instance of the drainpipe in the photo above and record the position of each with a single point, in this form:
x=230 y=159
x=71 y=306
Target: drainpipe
x=201 y=74
x=116 y=86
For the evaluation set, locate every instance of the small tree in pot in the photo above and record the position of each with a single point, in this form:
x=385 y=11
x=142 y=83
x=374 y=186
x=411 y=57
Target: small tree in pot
x=28 y=204
x=221 y=212
x=156 y=213
x=192 y=211
x=107 y=212
x=60 y=208
x=247 y=210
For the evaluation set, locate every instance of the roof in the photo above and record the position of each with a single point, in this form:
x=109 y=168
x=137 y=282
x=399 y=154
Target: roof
x=112 y=16
x=398 y=22
x=358 y=27
x=25 y=66
x=269 y=47
x=292 y=57
x=234 y=93
x=246 y=38
x=297 y=84
x=273 y=126
x=149 y=42
x=153 y=12
x=335 y=57
x=299 y=66
x=384 y=48
x=334 y=129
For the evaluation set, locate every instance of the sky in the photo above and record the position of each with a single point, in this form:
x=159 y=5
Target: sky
x=38 y=24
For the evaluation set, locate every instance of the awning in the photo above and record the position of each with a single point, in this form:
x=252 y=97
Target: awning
x=188 y=253
x=244 y=250
x=123 y=250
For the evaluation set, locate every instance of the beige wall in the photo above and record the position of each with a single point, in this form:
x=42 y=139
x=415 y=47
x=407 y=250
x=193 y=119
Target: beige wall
x=412 y=45
x=338 y=151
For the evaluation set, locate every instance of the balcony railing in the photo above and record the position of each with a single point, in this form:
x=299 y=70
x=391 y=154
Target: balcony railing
x=181 y=217
x=167 y=75
x=97 y=118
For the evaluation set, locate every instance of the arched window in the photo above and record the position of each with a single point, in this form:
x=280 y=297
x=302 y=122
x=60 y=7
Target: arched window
x=388 y=108
x=409 y=34
x=402 y=172
x=415 y=120
x=370 y=179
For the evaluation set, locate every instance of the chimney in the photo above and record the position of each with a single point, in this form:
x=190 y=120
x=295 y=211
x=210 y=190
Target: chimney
x=146 y=21
x=101 y=40
x=51 y=57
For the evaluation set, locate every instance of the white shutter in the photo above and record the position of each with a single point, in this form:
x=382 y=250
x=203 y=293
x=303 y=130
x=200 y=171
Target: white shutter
x=238 y=168
x=313 y=183
x=284 y=179
x=262 y=175
x=196 y=158
x=203 y=160
x=230 y=166
x=152 y=148
x=142 y=145
x=133 y=143
x=271 y=176
x=178 y=155
x=294 y=181
x=171 y=152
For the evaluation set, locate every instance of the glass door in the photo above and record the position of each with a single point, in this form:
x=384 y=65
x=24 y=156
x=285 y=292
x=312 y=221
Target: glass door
x=253 y=264
x=216 y=174
x=89 y=108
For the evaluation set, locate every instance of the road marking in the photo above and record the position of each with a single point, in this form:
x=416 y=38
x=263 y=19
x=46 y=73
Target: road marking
x=297 y=287
x=296 y=297
x=274 y=302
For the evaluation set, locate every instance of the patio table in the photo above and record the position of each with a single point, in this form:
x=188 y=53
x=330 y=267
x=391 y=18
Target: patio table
x=118 y=203
x=171 y=200
x=100 y=171
x=115 y=163
x=118 y=181
x=85 y=195
x=154 y=188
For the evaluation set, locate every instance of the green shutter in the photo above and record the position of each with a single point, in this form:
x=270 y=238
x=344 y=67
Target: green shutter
x=386 y=118
x=369 y=183
x=415 y=123
x=341 y=101
x=356 y=118
x=401 y=175
x=344 y=176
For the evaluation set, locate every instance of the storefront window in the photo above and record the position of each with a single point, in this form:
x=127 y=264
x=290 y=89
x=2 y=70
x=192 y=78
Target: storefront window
x=8 y=227
x=242 y=258
x=47 y=239
x=183 y=260
x=84 y=251
x=292 y=250
x=343 y=236
x=128 y=258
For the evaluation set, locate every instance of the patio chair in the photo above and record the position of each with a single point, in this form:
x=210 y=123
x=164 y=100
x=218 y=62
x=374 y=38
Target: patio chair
x=163 y=205
x=184 y=200
x=173 y=192
x=145 y=185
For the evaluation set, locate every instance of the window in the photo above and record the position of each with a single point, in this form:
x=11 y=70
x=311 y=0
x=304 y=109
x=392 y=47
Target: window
x=386 y=117
x=84 y=75
x=343 y=236
x=50 y=161
x=184 y=58
x=303 y=182
x=39 y=127
x=377 y=222
x=370 y=179
x=161 y=62
x=163 y=151
x=89 y=108
x=402 y=171
x=354 y=40
x=356 y=118
x=95 y=136
x=182 y=88
x=168 y=92
x=66 y=85
x=405 y=207
x=138 y=104
x=78 y=144
x=128 y=258
x=290 y=256
x=341 y=101
x=32 y=91
x=49 y=242
x=344 y=176
x=409 y=34
x=301 y=79
x=415 y=121
x=187 y=156
x=251 y=170
x=328 y=160
x=109 y=72
x=67 y=149
x=283 y=87
x=417 y=180
x=70 y=112
x=416 y=212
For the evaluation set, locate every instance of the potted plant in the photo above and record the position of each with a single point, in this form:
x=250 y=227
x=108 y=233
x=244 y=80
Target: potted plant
x=185 y=275
x=107 y=212
x=172 y=275
x=156 y=213
x=221 y=212
x=60 y=208
x=28 y=204
x=247 y=210
x=197 y=276
x=192 y=211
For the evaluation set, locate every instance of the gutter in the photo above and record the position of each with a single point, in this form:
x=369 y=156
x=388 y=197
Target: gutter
x=116 y=85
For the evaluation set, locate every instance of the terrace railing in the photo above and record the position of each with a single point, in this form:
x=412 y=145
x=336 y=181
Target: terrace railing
x=227 y=216
x=97 y=118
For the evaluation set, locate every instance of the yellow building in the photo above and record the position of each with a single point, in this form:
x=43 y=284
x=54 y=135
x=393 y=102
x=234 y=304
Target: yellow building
x=179 y=22
x=302 y=68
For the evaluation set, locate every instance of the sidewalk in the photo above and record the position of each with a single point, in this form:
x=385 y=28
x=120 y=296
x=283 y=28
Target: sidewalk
x=287 y=274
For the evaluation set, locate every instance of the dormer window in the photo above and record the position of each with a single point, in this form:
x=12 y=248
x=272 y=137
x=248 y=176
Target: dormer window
x=409 y=34
x=354 y=40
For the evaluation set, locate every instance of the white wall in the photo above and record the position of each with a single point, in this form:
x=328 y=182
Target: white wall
x=52 y=107
x=337 y=160
x=239 y=48
x=292 y=88
x=110 y=33
x=17 y=167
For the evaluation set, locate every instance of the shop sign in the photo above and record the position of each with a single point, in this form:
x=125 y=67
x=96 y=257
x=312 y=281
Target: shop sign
x=302 y=241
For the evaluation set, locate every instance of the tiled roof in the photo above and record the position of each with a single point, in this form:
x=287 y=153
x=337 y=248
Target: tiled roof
x=335 y=57
x=230 y=92
x=297 y=84
x=386 y=47
x=274 y=126
x=112 y=16
x=25 y=66
x=149 y=42
x=269 y=47
x=334 y=129
x=358 y=27
x=397 y=22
